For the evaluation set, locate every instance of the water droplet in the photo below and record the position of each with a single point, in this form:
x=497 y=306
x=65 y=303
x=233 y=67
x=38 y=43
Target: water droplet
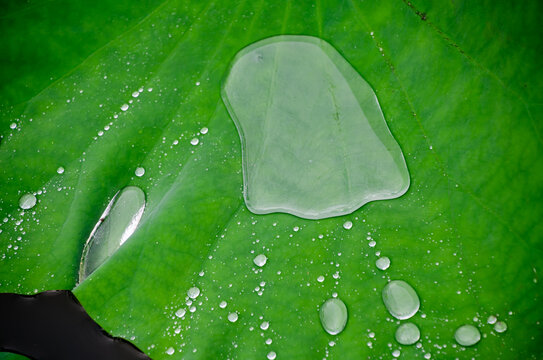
x=302 y=108
x=265 y=325
x=13 y=126
x=193 y=292
x=27 y=201
x=347 y=225
x=135 y=94
x=60 y=170
x=115 y=226
x=500 y=327
x=139 y=171
x=320 y=279
x=233 y=317
x=400 y=299
x=260 y=260
x=492 y=319
x=204 y=131
x=407 y=334
x=333 y=314
x=467 y=335
x=396 y=353
x=272 y=355
x=124 y=107
x=180 y=313
x=383 y=263
x=194 y=141
x=223 y=304
x=170 y=351
x=269 y=341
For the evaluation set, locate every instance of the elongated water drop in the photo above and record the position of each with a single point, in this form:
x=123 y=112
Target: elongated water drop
x=27 y=201
x=400 y=299
x=467 y=335
x=333 y=314
x=314 y=140
x=115 y=226
x=407 y=334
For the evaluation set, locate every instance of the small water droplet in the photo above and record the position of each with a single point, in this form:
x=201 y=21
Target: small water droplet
x=396 y=353
x=333 y=315
x=407 y=334
x=60 y=170
x=135 y=94
x=193 y=292
x=124 y=107
x=139 y=171
x=12 y=125
x=492 y=319
x=233 y=317
x=27 y=201
x=269 y=341
x=194 y=141
x=180 y=313
x=272 y=355
x=204 y=131
x=265 y=325
x=170 y=351
x=320 y=279
x=500 y=327
x=400 y=299
x=347 y=225
x=260 y=260
x=383 y=263
x=223 y=304
x=467 y=335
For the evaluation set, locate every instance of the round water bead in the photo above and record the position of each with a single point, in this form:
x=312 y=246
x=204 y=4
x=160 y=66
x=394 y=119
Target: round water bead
x=260 y=260
x=383 y=263
x=333 y=314
x=27 y=201
x=467 y=335
x=400 y=299
x=500 y=327
x=407 y=334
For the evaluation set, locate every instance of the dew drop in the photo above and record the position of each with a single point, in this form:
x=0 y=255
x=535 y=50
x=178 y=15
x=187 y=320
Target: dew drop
x=139 y=171
x=124 y=107
x=306 y=92
x=396 y=353
x=320 y=279
x=194 y=141
x=170 y=351
x=223 y=304
x=383 y=263
x=265 y=325
x=400 y=299
x=193 y=292
x=347 y=225
x=407 y=334
x=467 y=335
x=60 y=170
x=260 y=260
x=233 y=317
x=500 y=327
x=13 y=126
x=271 y=355
x=27 y=201
x=492 y=319
x=204 y=131
x=333 y=315
x=135 y=94
x=180 y=313
x=117 y=223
